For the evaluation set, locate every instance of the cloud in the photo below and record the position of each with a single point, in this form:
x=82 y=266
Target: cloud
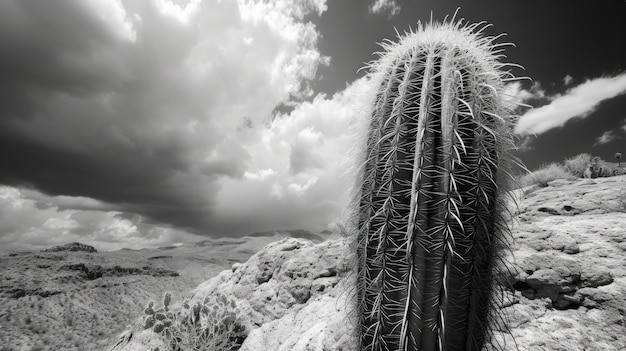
x=302 y=166
x=525 y=143
x=578 y=102
x=515 y=94
x=30 y=220
x=567 y=80
x=137 y=107
x=304 y=153
x=390 y=7
x=605 y=138
x=260 y=175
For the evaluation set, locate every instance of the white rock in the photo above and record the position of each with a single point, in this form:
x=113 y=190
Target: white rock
x=294 y=295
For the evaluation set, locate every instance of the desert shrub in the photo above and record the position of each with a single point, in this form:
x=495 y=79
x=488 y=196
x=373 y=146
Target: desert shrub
x=544 y=175
x=211 y=325
x=605 y=169
x=577 y=164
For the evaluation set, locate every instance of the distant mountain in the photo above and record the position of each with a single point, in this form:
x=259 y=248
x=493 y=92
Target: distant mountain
x=297 y=233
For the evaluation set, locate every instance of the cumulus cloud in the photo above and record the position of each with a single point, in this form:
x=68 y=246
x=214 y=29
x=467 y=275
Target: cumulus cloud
x=305 y=153
x=301 y=165
x=31 y=220
x=577 y=102
x=138 y=106
x=390 y=7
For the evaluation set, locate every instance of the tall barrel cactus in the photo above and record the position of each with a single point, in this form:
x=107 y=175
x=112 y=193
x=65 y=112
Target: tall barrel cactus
x=430 y=211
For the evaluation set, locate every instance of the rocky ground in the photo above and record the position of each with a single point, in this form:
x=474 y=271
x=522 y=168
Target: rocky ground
x=566 y=291
x=75 y=298
x=570 y=259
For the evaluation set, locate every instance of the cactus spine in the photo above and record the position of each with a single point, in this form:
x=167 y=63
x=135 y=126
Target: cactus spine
x=430 y=217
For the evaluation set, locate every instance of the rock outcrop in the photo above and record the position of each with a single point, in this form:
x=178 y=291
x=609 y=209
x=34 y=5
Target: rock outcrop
x=285 y=281
x=569 y=258
x=92 y=272
x=72 y=247
x=567 y=279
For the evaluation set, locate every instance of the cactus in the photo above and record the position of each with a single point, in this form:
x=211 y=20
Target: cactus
x=158 y=327
x=167 y=298
x=148 y=322
x=160 y=319
x=197 y=326
x=430 y=217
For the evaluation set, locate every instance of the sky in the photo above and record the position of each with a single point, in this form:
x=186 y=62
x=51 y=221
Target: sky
x=145 y=123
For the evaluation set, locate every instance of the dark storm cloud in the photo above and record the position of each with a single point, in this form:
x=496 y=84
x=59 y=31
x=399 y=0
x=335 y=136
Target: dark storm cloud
x=80 y=114
x=52 y=46
x=134 y=107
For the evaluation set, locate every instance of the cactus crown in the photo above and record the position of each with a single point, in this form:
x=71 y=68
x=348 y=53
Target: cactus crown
x=430 y=217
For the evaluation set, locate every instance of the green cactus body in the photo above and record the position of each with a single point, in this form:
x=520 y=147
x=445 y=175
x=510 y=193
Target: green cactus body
x=430 y=218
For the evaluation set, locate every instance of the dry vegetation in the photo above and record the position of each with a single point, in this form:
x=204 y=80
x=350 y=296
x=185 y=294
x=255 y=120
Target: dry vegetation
x=213 y=324
x=581 y=166
x=82 y=301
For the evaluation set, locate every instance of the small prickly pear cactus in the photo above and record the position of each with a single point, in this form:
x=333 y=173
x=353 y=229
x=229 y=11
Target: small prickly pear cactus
x=158 y=327
x=167 y=298
x=149 y=322
x=430 y=217
x=158 y=319
x=149 y=308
